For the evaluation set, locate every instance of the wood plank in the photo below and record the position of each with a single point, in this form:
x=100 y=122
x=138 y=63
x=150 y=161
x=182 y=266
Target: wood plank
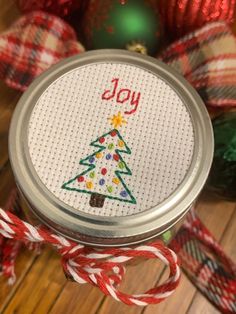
x=74 y=299
x=29 y=292
x=138 y=279
x=23 y=265
x=53 y=283
x=199 y=304
x=229 y=240
x=215 y=213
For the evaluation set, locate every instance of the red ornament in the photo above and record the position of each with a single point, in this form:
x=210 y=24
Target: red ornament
x=116 y=157
x=103 y=171
x=183 y=16
x=60 y=8
x=80 y=179
x=102 y=140
x=113 y=133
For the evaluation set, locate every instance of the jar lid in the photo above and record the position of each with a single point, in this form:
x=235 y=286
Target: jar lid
x=110 y=147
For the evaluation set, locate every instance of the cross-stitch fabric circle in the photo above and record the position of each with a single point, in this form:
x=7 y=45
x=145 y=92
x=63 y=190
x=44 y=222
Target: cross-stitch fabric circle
x=110 y=139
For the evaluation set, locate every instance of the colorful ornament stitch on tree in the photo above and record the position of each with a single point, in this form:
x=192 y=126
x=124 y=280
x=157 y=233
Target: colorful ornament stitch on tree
x=131 y=24
x=103 y=178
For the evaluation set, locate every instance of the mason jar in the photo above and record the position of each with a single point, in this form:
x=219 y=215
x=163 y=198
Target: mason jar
x=110 y=148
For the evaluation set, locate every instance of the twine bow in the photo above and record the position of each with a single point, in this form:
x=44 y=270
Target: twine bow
x=104 y=268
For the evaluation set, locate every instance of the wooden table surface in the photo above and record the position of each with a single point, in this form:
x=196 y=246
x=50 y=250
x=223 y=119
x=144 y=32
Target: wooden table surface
x=41 y=286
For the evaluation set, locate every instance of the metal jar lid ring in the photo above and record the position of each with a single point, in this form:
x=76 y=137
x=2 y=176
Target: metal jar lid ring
x=109 y=148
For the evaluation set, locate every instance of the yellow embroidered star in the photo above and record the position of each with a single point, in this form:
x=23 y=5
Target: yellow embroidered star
x=117 y=120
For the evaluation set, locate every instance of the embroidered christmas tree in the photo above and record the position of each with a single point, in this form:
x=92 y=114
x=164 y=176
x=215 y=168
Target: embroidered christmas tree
x=106 y=167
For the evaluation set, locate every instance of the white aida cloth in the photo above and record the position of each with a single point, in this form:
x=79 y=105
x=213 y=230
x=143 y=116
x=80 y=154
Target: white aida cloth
x=71 y=114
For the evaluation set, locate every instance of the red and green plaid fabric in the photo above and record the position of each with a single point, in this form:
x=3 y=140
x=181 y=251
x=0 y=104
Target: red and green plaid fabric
x=32 y=45
x=207 y=59
x=206 y=264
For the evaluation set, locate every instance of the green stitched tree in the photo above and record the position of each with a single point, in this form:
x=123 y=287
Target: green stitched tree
x=105 y=168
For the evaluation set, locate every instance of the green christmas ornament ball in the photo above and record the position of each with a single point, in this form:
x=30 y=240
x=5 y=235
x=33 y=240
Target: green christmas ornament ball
x=122 y=24
x=222 y=179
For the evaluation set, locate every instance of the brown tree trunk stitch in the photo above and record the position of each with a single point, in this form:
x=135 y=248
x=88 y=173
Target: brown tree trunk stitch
x=97 y=200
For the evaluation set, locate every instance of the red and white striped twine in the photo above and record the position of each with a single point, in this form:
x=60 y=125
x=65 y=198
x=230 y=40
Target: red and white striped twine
x=103 y=268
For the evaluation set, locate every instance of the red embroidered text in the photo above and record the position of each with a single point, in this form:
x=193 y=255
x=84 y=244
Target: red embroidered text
x=122 y=95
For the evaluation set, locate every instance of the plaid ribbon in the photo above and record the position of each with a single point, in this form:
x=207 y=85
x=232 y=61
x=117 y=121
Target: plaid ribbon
x=207 y=59
x=206 y=264
x=32 y=44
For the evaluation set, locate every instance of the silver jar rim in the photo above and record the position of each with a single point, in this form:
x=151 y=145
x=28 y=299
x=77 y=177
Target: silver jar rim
x=110 y=231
